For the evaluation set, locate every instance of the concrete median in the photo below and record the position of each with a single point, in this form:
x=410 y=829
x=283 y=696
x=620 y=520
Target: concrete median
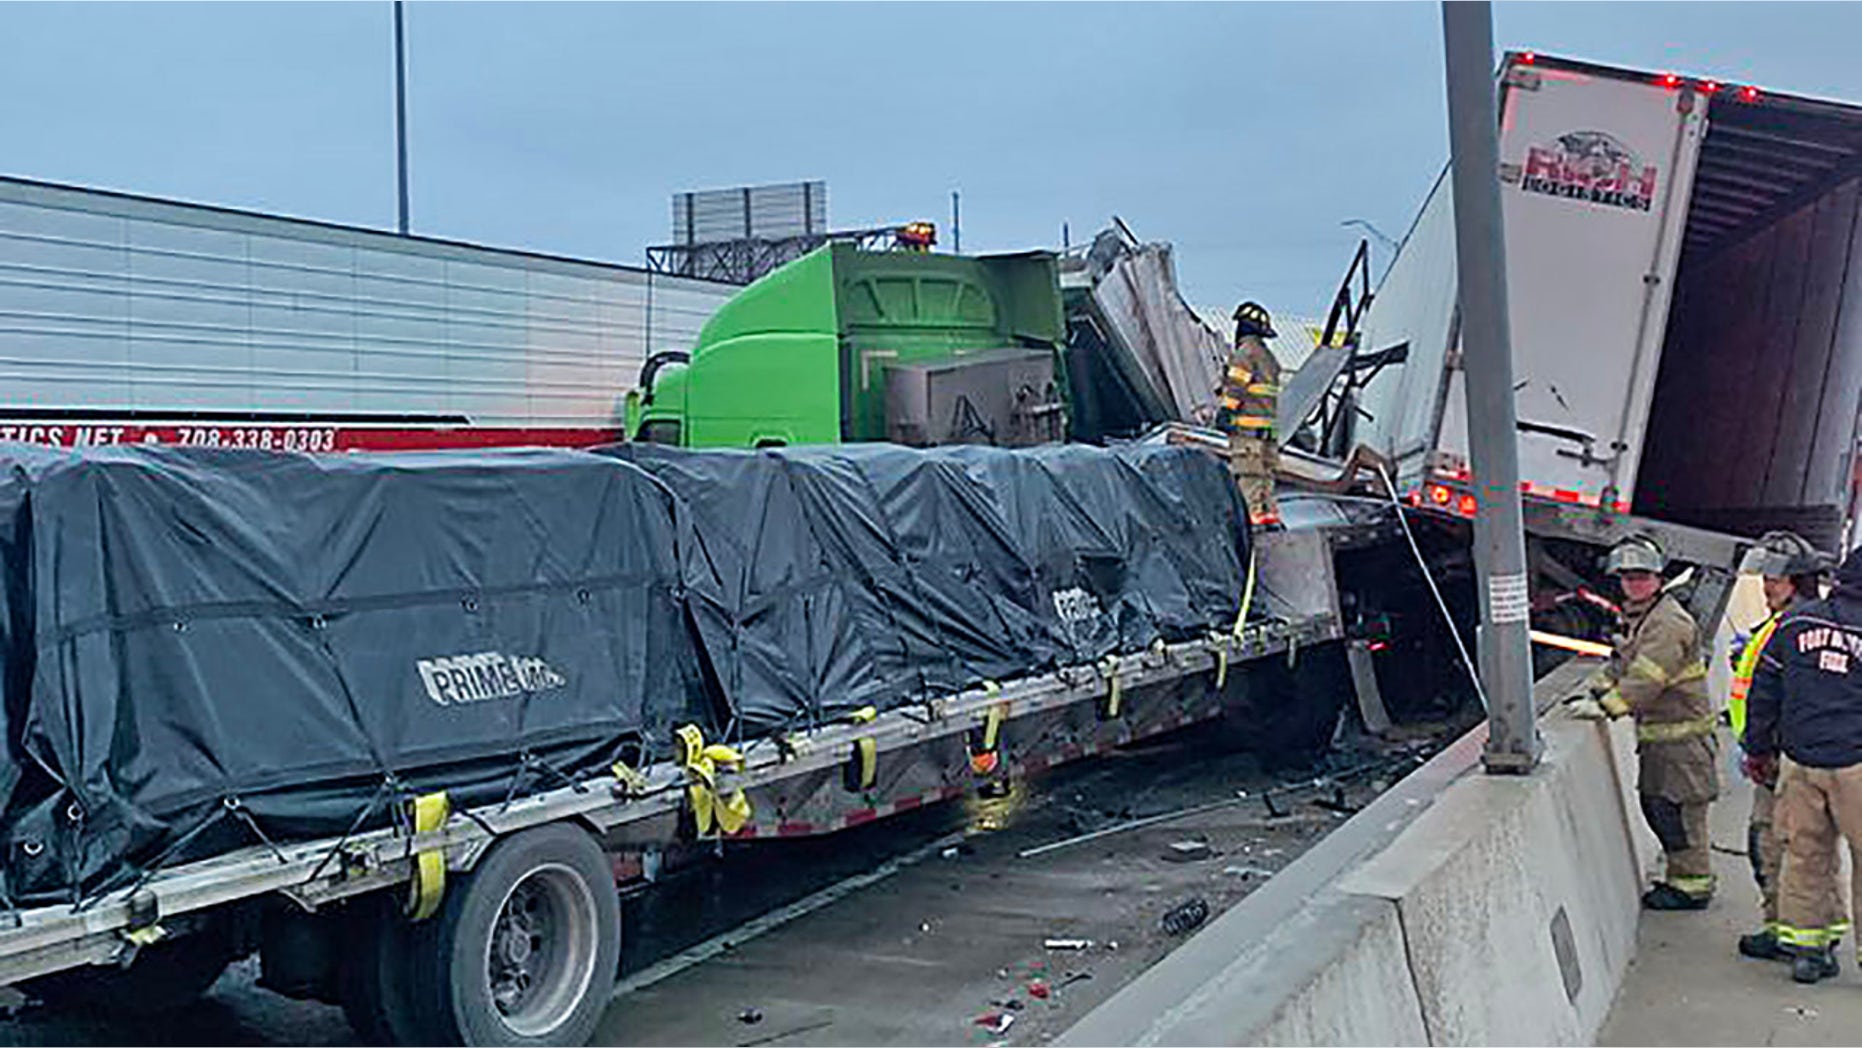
x=1459 y=908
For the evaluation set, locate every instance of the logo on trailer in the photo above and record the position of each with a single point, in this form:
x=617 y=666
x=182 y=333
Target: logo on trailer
x=1074 y=606
x=1593 y=167
x=460 y=680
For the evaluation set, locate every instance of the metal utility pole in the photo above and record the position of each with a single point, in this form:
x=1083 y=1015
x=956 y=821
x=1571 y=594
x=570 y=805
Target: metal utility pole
x=956 y=226
x=400 y=113
x=1513 y=743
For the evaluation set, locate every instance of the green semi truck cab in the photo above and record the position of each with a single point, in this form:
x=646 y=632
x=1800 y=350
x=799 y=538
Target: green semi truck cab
x=851 y=345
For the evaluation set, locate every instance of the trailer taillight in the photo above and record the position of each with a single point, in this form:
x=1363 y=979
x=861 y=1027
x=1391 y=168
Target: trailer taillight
x=1527 y=58
x=1439 y=494
x=1669 y=80
x=1748 y=93
x=1711 y=87
x=1467 y=505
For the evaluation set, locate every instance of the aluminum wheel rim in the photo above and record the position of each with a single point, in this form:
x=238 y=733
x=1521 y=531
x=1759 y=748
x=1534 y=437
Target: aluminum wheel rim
x=540 y=955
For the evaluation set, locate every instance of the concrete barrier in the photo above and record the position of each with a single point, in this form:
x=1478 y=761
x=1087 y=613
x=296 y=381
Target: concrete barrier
x=1458 y=908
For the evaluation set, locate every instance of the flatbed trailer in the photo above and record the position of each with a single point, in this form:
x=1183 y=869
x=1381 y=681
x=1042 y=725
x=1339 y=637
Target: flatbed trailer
x=310 y=907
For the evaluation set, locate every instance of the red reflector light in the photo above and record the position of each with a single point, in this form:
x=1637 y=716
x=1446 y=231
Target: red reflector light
x=1467 y=505
x=1669 y=80
x=1438 y=494
x=1748 y=94
x=1712 y=87
x=1527 y=58
x=1378 y=645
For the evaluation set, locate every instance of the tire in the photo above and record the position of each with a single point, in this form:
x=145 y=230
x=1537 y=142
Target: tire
x=375 y=987
x=525 y=950
x=165 y=976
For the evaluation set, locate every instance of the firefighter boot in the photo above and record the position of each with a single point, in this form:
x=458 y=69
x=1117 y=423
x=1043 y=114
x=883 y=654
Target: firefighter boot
x=1763 y=945
x=1814 y=964
x=1665 y=896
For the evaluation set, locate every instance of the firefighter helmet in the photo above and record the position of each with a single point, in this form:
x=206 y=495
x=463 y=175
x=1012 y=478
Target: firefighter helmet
x=1251 y=319
x=1636 y=553
x=1783 y=554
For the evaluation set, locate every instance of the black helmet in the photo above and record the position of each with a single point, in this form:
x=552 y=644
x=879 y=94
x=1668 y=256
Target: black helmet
x=1251 y=319
x=1783 y=554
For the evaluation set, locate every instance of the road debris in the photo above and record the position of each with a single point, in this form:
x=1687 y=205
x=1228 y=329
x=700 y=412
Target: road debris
x=1039 y=990
x=1073 y=977
x=997 y=1023
x=1070 y=944
x=1188 y=851
x=1149 y=820
x=750 y=1016
x=1185 y=917
x=818 y=1024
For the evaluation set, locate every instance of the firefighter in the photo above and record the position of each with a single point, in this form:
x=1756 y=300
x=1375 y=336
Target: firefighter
x=1655 y=674
x=1792 y=573
x=1250 y=397
x=1806 y=704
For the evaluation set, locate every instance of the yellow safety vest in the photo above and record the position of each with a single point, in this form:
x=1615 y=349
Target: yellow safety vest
x=1743 y=670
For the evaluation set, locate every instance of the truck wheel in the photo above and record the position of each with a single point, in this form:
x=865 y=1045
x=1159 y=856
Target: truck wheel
x=375 y=985
x=164 y=976
x=528 y=946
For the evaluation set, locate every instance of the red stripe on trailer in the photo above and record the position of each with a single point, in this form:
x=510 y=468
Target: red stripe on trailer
x=859 y=817
x=907 y=803
x=299 y=436
x=1035 y=763
x=795 y=829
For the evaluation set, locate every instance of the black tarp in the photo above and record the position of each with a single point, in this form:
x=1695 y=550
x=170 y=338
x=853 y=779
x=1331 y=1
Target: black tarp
x=284 y=633
x=876 y=575
x=207 y=648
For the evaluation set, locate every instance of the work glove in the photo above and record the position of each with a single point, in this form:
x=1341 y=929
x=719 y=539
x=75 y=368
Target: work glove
x=1583 y=707
x=1761 y=769
x=1597 y=706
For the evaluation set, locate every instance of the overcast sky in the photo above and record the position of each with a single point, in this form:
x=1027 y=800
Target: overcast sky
x=1243 y=133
